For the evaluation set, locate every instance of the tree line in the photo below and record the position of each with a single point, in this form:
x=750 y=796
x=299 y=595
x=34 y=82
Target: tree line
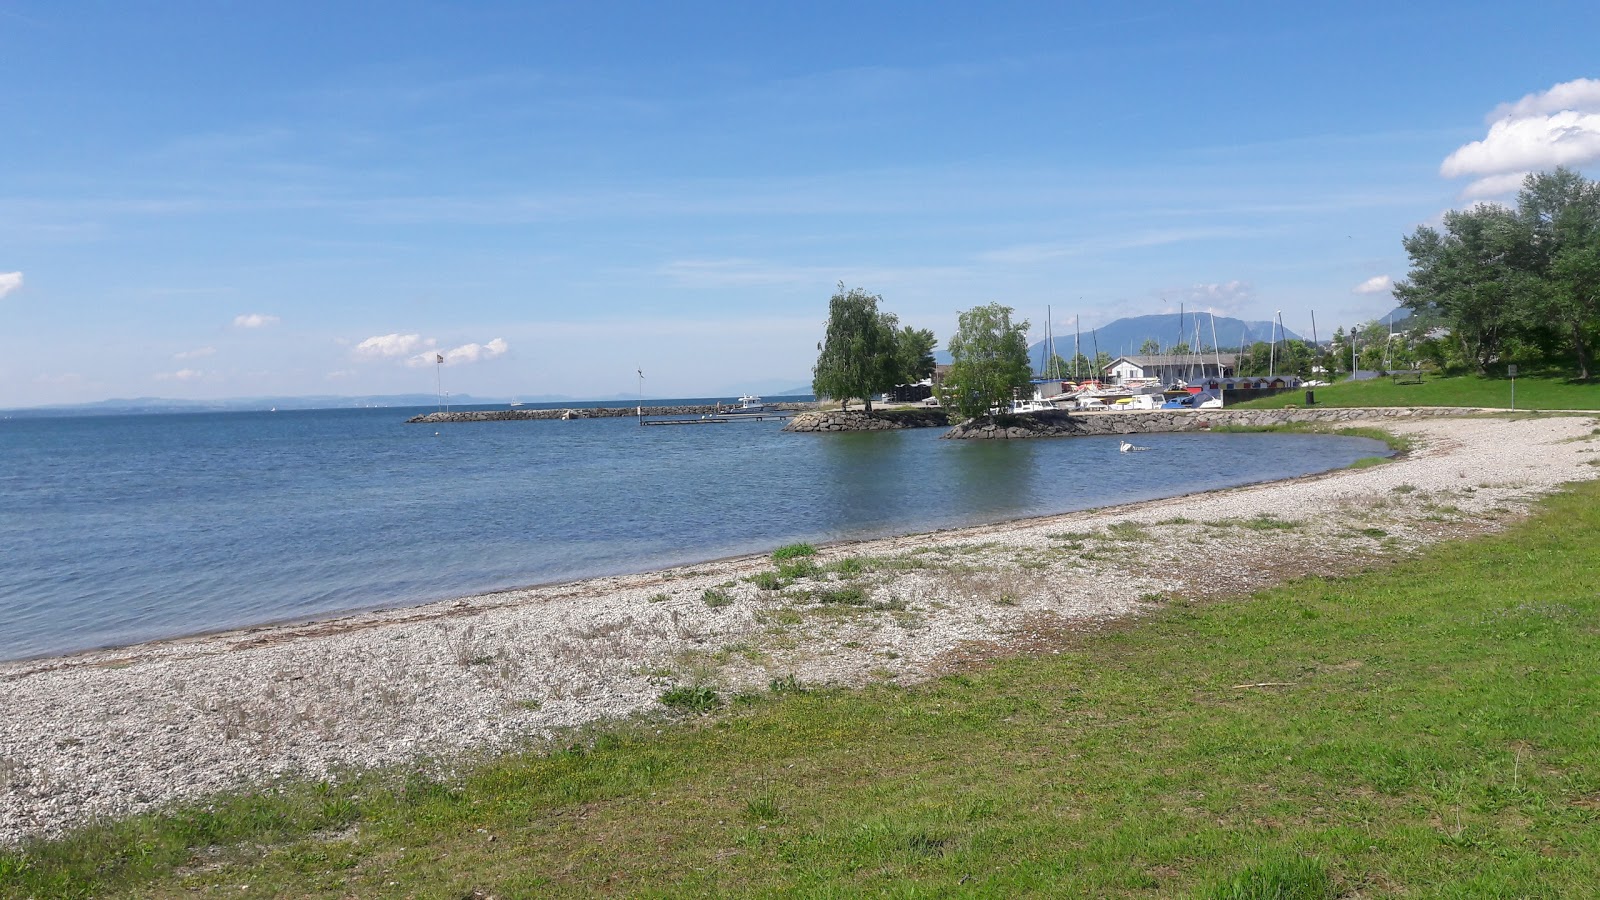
x=1513 y=284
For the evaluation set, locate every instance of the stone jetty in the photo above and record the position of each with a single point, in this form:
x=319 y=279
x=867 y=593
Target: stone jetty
x=860 y=420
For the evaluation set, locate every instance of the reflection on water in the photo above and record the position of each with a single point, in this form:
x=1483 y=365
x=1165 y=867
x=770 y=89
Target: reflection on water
x=127 y=528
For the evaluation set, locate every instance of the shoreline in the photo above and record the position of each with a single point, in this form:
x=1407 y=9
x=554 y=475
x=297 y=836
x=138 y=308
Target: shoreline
x=123 y=730
x=380 y=613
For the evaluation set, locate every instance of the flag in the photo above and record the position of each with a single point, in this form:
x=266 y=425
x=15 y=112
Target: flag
x=439 y=358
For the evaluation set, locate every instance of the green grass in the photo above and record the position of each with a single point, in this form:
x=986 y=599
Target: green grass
x=1428 y=730
x=1533 y=393
x=793 y=551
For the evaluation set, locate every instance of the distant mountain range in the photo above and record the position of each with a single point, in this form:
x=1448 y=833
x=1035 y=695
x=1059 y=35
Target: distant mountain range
x=152 y=405
x=1124 y=337
x=132 y=406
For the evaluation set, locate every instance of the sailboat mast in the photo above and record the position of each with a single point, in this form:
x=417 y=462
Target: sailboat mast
x=1050 y=341
x=1272 y=352
x=1077 y=346
x=1222 y=384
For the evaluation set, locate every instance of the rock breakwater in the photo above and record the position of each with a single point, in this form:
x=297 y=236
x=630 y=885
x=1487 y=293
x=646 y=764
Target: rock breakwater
x=860 y=420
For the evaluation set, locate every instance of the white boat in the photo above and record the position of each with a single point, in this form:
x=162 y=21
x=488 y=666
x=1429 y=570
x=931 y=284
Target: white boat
x=747 y=404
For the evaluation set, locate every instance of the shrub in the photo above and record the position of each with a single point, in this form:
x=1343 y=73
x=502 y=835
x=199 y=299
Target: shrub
x=793 y=551
x=715 y=597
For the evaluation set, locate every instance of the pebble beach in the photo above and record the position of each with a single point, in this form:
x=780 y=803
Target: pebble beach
x=115 y=732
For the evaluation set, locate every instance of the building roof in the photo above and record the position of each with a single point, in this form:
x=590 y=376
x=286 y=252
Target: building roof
x=1146 y=362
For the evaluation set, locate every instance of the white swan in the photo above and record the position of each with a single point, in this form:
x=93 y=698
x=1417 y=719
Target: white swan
x=1130 y=448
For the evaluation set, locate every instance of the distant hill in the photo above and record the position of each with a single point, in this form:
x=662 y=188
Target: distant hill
x=1126 y=336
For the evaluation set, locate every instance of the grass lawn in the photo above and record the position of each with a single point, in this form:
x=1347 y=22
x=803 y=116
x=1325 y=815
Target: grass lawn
x=1430 y=729
x=1536 y=392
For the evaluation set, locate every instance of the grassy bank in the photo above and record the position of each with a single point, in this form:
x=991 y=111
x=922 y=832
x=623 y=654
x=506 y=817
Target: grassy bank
x=1537 y=392
x=1432 y=729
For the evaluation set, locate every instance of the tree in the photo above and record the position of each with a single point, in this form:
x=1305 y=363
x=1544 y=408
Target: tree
x=1150 y=347
x=1560 y=212
x=914 y=354
x=989 y=361
x=1466 y=274
x=860 y=354
x=1181 y=348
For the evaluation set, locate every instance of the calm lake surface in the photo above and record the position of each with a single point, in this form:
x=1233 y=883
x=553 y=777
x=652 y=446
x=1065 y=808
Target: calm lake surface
x=116 y=529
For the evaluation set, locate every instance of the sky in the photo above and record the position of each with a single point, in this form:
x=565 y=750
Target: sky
x=203 y=200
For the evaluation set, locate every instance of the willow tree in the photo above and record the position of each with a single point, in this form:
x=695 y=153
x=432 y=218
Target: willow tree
x=860 y=354
x=989 y=361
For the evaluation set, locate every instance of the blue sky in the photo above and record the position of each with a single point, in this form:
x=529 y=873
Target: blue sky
x=221 y=200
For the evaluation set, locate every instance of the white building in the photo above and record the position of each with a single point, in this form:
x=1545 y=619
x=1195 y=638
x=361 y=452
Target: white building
x=1170 y=369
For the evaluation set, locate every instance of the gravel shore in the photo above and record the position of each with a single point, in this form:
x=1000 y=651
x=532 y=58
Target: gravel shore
x=115 y=732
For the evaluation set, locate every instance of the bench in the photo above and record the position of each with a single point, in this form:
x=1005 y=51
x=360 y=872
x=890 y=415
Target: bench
x=1409 y=376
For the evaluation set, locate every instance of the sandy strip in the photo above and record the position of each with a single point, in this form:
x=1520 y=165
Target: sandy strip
x=114 y=732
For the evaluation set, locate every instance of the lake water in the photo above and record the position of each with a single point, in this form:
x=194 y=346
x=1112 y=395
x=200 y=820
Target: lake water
x=116 y=529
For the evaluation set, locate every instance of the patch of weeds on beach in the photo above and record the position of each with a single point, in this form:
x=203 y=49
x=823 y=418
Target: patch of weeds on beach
x=842 y=596
x=1404 y=489
x=767 y=581
x=798 y=568
x=1176 y=520
x=660 y=598
x=849 y=567
x=1127 y=531
x=530 y=704
x=786 y=684
x=1367 y=462
x=780 y=617
x=1076 y=537
x=793 y=551
x=696 y=698
x=715 y=597
x=1372 y=532
x=747 y=652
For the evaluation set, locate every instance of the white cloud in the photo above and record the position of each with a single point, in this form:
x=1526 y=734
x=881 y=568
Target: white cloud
x=254 y=320
x=1221 y=298
x=1584 y=93
x=1377 y=284
x=384 y=346
x=9 y=281
x=194 y=354
x=1557 y=127
x=180 y=375
x=1494 y=186
x=466 y=353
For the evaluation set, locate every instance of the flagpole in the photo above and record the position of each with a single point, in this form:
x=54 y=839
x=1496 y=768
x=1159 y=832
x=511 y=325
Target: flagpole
x=438 y=380
x=639 y=410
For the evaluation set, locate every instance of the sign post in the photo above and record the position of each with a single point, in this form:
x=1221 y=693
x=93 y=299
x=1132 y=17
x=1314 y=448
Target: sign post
x=1512 y=371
